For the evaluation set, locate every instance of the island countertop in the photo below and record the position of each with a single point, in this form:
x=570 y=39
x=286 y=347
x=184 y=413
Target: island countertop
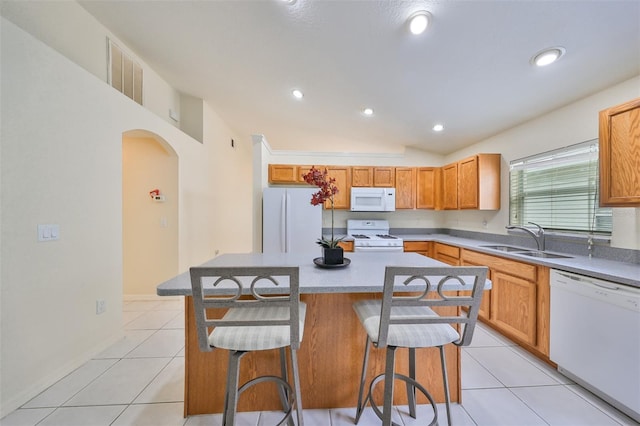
x=365 y=273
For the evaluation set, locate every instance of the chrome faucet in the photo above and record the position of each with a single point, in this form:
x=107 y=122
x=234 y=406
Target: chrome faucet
x=537 y=235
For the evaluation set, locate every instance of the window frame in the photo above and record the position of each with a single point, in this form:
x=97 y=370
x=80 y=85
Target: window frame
x=565 y=191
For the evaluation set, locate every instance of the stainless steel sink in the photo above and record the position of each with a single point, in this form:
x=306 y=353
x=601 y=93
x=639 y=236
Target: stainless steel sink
x=504 y=248
x=543 y=254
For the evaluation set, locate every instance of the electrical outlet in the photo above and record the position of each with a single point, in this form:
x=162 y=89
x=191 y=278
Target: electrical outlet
x=101 y=306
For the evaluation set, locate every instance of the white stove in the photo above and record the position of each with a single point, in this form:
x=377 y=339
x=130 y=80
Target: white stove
x=373 y=235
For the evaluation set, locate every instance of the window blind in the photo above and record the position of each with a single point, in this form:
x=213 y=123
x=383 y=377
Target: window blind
x=559 y=190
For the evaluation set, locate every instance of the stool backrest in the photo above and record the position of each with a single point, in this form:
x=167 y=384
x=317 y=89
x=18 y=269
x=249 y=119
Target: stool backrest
x=245 y=287
x=435 y=286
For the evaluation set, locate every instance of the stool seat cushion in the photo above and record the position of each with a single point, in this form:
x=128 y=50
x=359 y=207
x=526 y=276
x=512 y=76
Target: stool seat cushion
x=405 y=335
x=258 y=337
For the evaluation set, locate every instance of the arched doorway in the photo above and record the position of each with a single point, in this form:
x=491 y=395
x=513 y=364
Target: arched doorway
x=149 y=225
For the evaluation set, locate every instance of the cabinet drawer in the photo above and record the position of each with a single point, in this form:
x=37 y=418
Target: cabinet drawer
x=449 y=251
x=346 y=245
x=512 y=267
x=416 y=246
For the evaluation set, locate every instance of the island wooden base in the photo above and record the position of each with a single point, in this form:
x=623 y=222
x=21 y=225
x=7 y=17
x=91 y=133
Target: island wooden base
x=330 y=360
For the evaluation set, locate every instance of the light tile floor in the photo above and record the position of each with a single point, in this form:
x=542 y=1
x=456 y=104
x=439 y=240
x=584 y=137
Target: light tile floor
x=140 y=381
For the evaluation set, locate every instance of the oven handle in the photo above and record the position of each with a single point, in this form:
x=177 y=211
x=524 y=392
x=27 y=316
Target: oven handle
x=378 y=249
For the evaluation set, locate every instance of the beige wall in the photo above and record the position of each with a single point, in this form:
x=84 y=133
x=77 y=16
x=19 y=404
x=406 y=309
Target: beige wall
x=149 y=228
x=68 y=28
x=61 y=163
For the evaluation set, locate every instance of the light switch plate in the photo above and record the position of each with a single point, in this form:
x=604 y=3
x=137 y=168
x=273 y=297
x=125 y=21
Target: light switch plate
x=48 y=232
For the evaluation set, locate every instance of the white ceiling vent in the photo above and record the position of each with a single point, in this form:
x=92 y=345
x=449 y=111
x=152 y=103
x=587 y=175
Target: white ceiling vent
x=125 y=75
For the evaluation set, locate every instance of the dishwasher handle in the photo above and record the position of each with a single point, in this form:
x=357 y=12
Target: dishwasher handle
x=601 y=284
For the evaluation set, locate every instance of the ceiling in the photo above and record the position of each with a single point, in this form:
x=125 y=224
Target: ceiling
x=469 y=71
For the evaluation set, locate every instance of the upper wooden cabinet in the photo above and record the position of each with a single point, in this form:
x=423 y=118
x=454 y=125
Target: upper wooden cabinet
x=289 y=173
x=283 y=173
x=427 y=184
x=361 y=176
x=342 y=175
x=479 y=182
x=405 y=187
x=450 y=186
x=472 y=183
x=372 y=176
x=384 y=177
x=620 y=155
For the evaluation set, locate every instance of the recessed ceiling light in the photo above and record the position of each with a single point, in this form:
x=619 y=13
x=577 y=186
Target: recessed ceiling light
x=419 y=21
x=367 y=111
x=288 y=1
x=297 y=94
x=547 y=56
x=438 y=128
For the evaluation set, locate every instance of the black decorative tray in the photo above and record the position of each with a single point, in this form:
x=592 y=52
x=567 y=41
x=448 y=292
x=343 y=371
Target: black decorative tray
x=319 y=261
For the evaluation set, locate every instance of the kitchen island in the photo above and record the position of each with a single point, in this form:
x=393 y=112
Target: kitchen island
x=330 y=354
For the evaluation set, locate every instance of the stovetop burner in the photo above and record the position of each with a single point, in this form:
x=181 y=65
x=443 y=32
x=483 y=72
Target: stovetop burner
x=360 y=236
x=387 y=236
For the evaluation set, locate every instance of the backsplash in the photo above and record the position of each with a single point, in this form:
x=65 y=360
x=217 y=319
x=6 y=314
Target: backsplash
x=576 y=245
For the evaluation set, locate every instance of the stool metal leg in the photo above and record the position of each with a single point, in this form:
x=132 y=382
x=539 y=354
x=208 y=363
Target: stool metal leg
x=365 y=362
x=296 y=386
x=389 y=373
x=445 y=380
x=282 y=391
x=231 y=400
x=411 y=390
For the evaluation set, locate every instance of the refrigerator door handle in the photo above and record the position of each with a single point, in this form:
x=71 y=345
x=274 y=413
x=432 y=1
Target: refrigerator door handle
x=283 y=222
x=288 y=219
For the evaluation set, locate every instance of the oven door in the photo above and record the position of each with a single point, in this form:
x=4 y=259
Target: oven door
x=378 y=249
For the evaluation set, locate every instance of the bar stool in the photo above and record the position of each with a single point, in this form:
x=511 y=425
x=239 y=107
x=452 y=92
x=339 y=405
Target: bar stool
x=262 y=319
x=407 y=321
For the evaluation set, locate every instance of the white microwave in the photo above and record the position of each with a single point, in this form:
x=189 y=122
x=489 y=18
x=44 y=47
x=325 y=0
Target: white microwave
x=373 y=199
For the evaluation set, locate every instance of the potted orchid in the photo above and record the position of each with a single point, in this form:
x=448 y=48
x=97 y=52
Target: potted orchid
x=333 y=253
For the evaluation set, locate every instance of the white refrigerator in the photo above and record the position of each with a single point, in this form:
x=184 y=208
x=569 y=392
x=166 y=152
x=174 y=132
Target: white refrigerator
x=290 y=223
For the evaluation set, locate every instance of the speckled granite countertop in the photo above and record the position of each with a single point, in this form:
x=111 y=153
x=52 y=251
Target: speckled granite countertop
x=623 y=273
x=365 y=273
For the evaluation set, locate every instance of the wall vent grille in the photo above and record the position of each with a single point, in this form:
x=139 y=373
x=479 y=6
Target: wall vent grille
x=125 y=75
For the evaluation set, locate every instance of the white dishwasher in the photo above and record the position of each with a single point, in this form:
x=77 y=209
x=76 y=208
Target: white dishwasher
x=595 y=337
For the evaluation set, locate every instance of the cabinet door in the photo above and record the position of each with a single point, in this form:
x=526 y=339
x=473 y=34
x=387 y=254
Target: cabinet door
x=361 y=176
x=485 y=304
x=450 y=186
x=384 y=177
x=303 y=170
x=620 y=155
x=426 y=184
x=405 y=188
x=468 y=183
x=513 y=306
x=342 y=175
x=283 y=173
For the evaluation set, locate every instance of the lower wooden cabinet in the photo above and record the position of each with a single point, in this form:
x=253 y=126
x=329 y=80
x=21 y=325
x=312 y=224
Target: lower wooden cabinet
x=513 y=306
x=421 y=247
x=485 y=304
x=518 y=303
x=446 y=253
x=346 y=245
